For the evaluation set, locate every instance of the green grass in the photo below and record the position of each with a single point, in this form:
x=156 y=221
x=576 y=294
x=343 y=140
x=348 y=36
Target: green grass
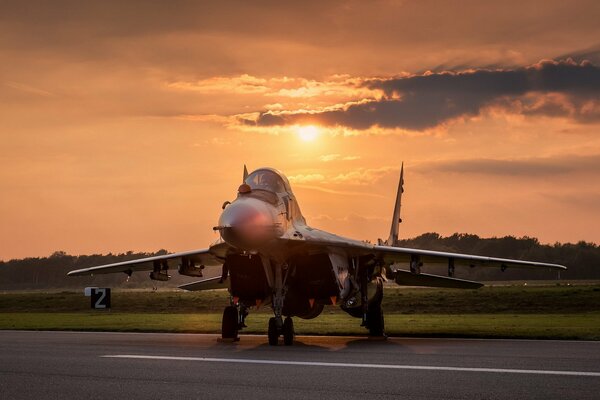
x=539 y=326
x=549 y=312
x=487 y=300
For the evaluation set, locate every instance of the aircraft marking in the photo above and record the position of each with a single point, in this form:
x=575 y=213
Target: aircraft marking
x=355 y=365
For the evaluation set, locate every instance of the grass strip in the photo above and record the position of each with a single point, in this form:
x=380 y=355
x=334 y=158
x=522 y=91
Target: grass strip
x=488 y=300
x=583 y=326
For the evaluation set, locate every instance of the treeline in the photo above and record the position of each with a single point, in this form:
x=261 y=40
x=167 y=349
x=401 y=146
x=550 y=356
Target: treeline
x=51 y=272
x=582 y=259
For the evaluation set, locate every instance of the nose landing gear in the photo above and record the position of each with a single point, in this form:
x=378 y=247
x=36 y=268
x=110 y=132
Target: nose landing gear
x=277 y=275
x=288 y=331
x=285 y=329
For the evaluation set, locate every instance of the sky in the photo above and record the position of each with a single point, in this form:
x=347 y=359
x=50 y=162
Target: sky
x=125 y=125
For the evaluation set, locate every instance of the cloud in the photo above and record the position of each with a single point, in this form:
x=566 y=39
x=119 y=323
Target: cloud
x=243 y=84
x=28 y=89
x=352 y=217
x=359 y=176
x=352 y=183
x=587 y=200
x=336 y=86
x=338 y=192
x=337 y=157
x=363 y=176
x=591 y=54
x=301 y=178
x=527 y=167
x=420 y=102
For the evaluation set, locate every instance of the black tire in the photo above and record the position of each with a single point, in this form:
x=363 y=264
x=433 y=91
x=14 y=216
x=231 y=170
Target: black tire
x=273 y=332
x=229 y=323
x=288 y=331
x=375 y=321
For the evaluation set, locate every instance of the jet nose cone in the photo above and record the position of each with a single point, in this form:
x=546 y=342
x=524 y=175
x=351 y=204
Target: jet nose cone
x=247 y=224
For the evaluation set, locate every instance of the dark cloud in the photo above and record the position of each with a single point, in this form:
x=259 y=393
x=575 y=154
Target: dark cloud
x=202 y=39
x=590 y=54
x=531 y=167
x=587 y=201
x=424 y=101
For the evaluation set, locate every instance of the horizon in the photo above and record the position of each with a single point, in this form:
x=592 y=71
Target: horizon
x=126 y=124
x=67 y=254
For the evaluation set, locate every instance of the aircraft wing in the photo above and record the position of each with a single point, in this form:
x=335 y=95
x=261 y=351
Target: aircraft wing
x=202 y=257
x=403 y=255
x=205 y=284
x=399 y=260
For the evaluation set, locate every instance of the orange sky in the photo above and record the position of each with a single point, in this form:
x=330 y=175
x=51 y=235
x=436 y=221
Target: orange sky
x=125 y=125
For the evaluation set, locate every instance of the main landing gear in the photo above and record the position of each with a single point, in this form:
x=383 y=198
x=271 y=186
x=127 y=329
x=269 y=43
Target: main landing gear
x=373 y=311
x=375 y=322
x=229 y=324
x=232 y=322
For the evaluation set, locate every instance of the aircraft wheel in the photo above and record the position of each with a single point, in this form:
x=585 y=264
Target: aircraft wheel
x=288 y=331
x=375 y=321
x=229 y=323
x=273 y=332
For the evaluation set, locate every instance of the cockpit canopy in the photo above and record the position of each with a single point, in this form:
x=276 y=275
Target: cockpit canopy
x=269 y=180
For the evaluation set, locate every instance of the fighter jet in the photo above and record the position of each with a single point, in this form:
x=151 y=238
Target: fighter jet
x=270 y=256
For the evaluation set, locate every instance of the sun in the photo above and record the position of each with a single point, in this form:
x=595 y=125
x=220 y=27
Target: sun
x=307 y=133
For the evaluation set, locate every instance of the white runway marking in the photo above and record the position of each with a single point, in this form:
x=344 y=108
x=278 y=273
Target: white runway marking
x=353 y=365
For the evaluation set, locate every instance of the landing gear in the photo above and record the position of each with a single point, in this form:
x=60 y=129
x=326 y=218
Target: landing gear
x=372 y=310
x=375 y=321
x=230 y=323
x=273 y=331
x=286 y=330
x=277 y=274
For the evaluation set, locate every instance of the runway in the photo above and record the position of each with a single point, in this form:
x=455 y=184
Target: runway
x=58 y=365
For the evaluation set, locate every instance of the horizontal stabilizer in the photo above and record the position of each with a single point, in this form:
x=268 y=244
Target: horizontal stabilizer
x=205 y=284
x=407 y=278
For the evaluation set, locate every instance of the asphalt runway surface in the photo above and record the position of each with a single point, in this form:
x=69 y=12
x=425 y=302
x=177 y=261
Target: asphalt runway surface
x=85 y=365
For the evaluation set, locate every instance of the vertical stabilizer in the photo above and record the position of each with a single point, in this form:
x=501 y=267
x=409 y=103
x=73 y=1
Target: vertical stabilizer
x=245 y=173
x=396 y=220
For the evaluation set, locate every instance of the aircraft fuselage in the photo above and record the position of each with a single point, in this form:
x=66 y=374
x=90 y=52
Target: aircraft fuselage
x=263 y=228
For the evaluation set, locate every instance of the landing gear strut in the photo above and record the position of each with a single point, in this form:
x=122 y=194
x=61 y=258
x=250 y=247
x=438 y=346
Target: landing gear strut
x=277 y=275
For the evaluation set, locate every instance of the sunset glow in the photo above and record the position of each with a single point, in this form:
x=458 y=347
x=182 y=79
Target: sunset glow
x=307 y=133
x=126 y=128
